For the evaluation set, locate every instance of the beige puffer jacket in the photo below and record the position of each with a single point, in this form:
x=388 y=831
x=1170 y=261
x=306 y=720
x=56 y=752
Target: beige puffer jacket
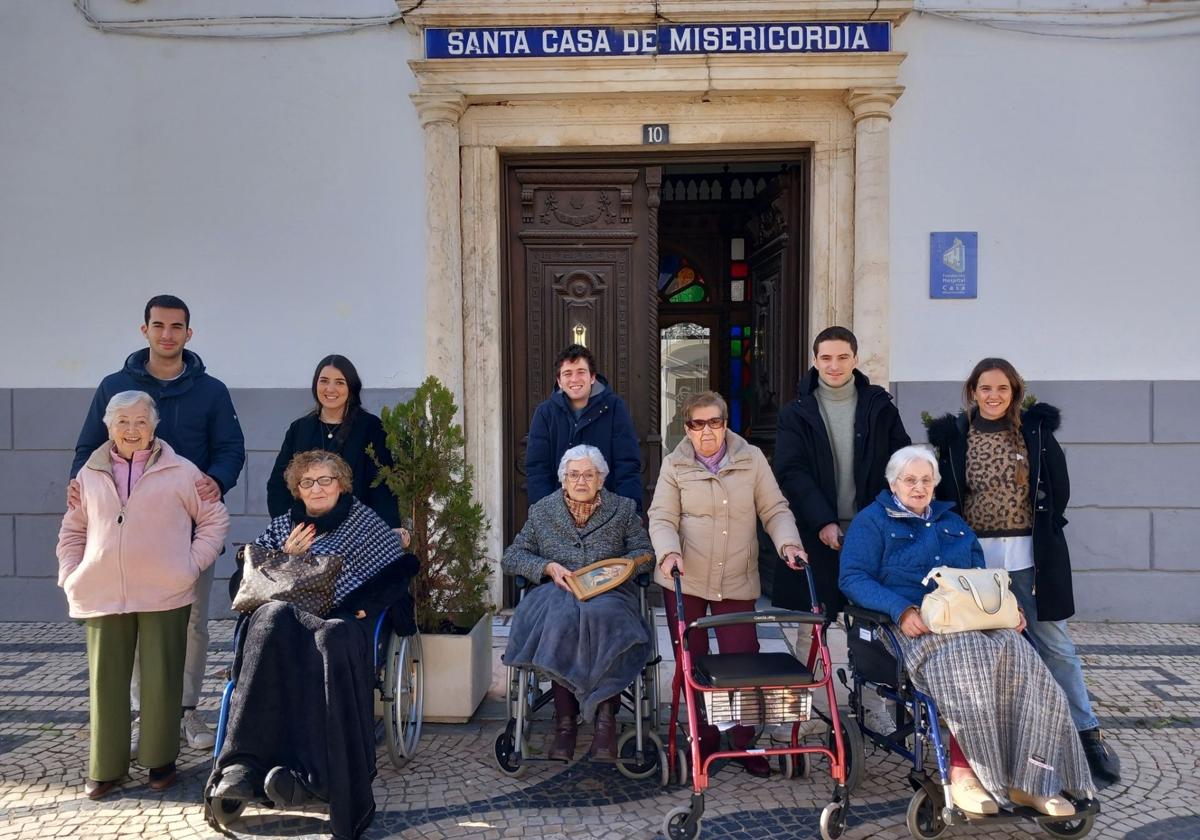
x=710 y=519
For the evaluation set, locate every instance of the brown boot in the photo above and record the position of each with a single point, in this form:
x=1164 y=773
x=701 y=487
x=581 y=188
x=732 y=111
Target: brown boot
x=604 y=742
x=566 y=708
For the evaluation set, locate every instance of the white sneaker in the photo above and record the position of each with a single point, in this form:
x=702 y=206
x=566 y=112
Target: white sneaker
x=196 y=732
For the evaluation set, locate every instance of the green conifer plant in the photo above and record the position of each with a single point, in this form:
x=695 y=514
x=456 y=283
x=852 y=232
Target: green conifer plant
x=432 y=482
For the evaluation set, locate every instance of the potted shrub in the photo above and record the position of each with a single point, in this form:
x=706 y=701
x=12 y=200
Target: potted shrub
x=432 y=483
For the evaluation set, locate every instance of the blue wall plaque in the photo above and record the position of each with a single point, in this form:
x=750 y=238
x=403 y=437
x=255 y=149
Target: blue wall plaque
x=954 y=264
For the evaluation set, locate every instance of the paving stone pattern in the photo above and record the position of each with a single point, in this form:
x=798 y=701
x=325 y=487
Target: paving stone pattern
x=1145 y=680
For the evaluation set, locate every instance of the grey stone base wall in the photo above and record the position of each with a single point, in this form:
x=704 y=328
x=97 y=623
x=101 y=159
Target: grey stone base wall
x=1133 y=449
x=38 y=429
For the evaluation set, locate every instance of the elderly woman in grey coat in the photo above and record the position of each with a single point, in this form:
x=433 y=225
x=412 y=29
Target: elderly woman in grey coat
x=592 y=649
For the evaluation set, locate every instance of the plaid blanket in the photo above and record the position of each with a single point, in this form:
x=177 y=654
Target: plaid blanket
x=1009 y=715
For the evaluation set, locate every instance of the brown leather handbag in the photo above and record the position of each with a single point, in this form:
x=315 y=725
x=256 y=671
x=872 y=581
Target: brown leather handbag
x=306 y=580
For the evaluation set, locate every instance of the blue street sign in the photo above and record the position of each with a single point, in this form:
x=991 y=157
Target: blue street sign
x=673 y=39
x=954 y=264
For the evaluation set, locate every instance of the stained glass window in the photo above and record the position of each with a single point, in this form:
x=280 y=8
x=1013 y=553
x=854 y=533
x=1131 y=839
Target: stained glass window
x=679 y=281
x=741 y=378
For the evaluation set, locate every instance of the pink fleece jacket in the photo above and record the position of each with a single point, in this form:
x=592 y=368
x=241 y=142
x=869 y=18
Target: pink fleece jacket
x=140 y=556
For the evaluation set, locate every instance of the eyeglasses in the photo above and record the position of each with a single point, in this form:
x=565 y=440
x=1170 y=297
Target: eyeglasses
x=712 y=423
x=324 y=481
x=910 y=481
x=576 y=477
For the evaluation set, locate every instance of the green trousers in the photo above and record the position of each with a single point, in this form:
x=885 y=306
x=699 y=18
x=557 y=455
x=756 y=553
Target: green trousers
x=112 y=641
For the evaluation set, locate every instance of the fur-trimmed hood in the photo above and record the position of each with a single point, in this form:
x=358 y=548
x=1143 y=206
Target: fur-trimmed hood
x=946 y=428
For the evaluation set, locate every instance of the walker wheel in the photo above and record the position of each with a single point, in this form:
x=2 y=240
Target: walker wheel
x=1076 y=826
x=833 y=821
x=674 y=826
x=856 y=754
x=225 y=812
x=505 y=749
x=924 y=815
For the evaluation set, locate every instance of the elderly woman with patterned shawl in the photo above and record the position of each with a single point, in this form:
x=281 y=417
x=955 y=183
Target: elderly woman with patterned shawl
x=592 y=649
x=301 y=717
x=1012 y=741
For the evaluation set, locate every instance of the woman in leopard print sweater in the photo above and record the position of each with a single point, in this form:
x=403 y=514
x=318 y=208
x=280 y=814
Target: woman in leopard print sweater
x=1008 y=475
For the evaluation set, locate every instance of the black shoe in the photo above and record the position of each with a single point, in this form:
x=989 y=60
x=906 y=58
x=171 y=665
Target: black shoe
x=238 y=783
x=284 y=789
x=163 y=777
x=1104 y=764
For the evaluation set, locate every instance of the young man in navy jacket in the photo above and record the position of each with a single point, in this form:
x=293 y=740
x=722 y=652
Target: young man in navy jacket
x=197 y=418
x=582 y=409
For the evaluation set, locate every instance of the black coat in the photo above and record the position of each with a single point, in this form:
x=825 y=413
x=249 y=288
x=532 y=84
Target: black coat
x=805 y=470
x=308 y=433
x=1049 y=492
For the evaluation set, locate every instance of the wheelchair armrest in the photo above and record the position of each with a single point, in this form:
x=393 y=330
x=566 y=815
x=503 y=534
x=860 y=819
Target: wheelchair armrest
x=644 y=580
x=520 y=581
x=760 y=617
x=869 y=616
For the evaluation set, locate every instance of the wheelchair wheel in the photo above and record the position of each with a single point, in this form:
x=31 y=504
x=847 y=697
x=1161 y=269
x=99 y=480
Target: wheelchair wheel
x=1077 y=826
x=506 y=747
x=654 y=757
x=856 y=756
x=404 y=681
x=924 y=815
x=794 y=766
x=674 y=828
x=225 y=812
x=680 y=770
x=833 y=821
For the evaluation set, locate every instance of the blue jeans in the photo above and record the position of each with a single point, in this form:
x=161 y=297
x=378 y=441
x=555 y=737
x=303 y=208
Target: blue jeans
x=1057 y=651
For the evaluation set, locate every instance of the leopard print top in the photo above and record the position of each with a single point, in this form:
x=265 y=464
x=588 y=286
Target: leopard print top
x=997 y=503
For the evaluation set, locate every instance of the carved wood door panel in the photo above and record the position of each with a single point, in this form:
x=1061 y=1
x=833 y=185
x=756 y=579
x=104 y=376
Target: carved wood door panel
x=581 y=268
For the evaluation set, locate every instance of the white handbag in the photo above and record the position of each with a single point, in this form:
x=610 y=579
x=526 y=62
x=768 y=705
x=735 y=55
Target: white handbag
x=969 y=599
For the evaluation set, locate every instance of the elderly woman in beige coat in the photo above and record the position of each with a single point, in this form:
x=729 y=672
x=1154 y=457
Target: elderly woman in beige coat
x=711 y=490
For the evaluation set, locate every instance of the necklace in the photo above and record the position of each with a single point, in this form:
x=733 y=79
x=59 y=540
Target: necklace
x=328 y=428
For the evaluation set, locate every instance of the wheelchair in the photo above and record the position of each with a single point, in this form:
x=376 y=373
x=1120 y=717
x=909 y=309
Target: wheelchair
x=400 y=700
x=916 y=727
x=640 y=751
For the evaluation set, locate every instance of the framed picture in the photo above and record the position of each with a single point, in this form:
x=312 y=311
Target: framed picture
x=601 y=576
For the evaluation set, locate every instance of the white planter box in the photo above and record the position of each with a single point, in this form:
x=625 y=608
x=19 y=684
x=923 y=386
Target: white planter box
x=458 y=672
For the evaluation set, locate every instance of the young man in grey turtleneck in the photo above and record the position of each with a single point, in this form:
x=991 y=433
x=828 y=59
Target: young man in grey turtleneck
x=834 y=441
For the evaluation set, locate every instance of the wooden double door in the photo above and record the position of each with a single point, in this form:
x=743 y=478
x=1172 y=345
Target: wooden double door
x=583 y=269
x=583 y=266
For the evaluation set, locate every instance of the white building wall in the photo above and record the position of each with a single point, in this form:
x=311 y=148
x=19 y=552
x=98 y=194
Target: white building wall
x=1076 y=161
x=277 y=186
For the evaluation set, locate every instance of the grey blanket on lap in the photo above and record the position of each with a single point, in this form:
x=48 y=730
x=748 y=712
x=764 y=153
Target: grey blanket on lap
x=596 y=648
x=1004 y=707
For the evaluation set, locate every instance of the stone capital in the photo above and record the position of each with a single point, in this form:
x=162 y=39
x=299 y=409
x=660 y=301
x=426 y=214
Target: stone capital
x=439 y=107
x=867 y=102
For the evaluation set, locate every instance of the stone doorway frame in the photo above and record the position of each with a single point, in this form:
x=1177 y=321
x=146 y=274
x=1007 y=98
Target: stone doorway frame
x=475 y=111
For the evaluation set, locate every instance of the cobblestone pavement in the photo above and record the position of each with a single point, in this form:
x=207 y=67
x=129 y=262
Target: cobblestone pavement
x=1144 y=678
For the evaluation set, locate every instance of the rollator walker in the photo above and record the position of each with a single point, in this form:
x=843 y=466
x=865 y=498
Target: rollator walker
x=756 y=689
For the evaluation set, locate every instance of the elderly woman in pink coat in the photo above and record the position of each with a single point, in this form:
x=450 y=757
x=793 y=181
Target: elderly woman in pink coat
x=128 y=558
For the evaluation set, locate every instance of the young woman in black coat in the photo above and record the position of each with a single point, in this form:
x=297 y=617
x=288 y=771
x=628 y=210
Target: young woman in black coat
x=1008 y=476
x=338 y=423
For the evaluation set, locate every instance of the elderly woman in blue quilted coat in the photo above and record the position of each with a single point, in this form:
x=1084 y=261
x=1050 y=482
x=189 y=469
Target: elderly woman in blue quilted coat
x=1013 y=742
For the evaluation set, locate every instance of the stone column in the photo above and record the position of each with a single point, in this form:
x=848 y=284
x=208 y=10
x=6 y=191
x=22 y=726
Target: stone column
x=439 y=114
x=872 y=110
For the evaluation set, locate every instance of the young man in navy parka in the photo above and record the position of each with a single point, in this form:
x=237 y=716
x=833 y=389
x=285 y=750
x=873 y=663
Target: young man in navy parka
x=582 y=409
